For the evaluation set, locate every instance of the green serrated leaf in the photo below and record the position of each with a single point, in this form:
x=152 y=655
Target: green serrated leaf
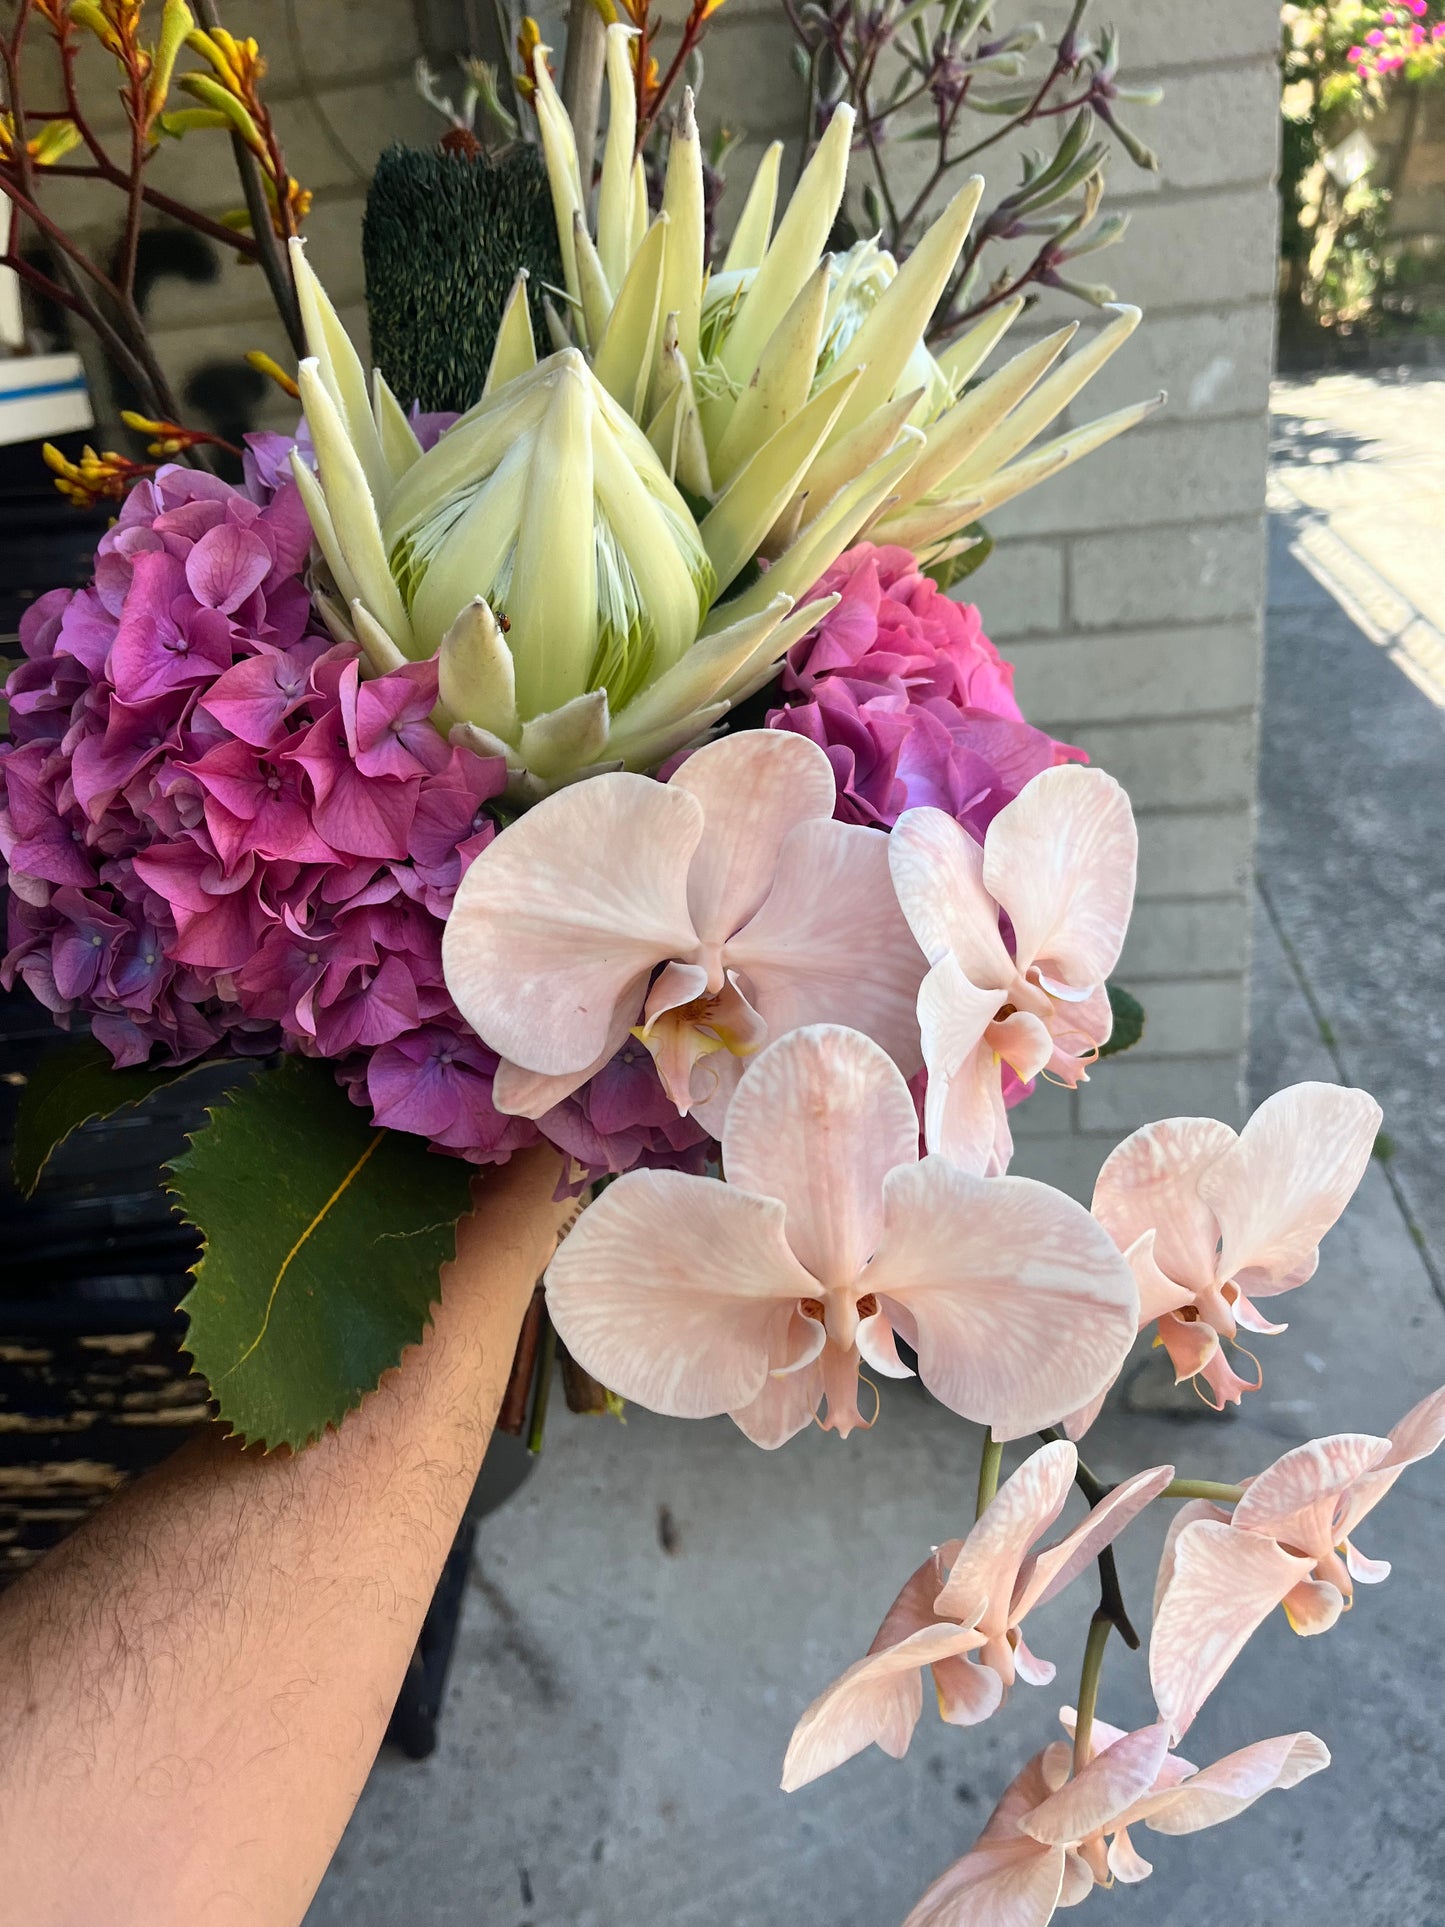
x=1128 y=1021
x=323 y=1239
x=68 y=1088
x=958 y=568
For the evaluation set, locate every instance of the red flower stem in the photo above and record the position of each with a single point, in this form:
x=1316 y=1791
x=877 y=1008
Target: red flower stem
x=163 y=204
x=691 y=34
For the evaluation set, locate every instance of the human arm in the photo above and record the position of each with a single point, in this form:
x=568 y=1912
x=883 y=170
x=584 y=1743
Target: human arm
x=194 y=1686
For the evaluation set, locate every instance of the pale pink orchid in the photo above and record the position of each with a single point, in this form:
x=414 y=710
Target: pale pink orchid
x=761 y=1295
x=969 y=1596
x=1212 y=1220
x=1058 y=863
x=705 y=915
x=1052 y=1838
x=1286 y=1543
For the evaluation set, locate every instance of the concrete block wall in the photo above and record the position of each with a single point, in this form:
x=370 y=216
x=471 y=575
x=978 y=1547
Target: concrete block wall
x=1128 y=592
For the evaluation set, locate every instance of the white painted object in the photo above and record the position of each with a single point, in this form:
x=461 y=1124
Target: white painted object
x=42 y=396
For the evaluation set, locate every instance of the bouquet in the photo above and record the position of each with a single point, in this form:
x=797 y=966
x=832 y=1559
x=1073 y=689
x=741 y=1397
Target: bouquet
x=604 y=762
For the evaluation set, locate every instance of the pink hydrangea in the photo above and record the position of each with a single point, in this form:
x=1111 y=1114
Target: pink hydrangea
x=220 y=838
x=909 y=698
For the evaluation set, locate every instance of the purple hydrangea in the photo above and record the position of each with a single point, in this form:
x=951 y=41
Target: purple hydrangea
x=219 y=838
x=910 y=700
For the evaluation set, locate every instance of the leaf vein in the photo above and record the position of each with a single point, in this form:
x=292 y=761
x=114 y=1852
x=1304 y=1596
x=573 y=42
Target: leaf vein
x=340 y=1190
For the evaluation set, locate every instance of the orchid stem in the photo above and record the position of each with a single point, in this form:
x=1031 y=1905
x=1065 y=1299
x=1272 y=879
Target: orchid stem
x=1203 y=1489
x=988 y=1470
x=1100 y=1627
x=546 y=1372
x=1111 y=1594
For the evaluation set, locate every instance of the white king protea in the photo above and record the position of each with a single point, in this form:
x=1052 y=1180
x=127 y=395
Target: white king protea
x=714 y=366
x=575 y=549
x=542 y=551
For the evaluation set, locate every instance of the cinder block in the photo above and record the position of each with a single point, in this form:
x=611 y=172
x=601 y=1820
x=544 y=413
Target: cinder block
x=1172 y=472
x=1070 y=1164
x=1126 y=1092
x=1177 y=33
x=1127 y=577
x=1199 y=854
x=1208 y=365
x=1189 y=1017
x=1206 y=936
x=1049 y=1112
x=1182 y=250
x=1215 y=125
x=185 y=350
x=1019 y=590
x=1191 y=763
x=334 y=38
x=1068 y=682
x=749 y=79
x=1204 y=251
x=240 y=293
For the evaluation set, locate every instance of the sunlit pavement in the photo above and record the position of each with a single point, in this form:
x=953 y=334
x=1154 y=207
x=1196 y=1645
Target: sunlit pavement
x=1352 y=755
x=651 y=1613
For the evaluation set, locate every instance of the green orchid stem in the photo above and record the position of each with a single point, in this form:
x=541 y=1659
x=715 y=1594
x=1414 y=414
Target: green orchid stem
x=989 y=1468
x=546 y=1372
x=1203 y=1489
x=1100 y=1626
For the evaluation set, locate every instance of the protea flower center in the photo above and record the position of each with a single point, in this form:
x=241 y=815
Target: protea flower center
x=548 y=502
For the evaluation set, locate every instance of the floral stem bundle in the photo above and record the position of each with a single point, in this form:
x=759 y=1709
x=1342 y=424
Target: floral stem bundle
x=606 y=765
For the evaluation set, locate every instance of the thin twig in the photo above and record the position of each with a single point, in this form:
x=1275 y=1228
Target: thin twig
x=163 y=204
x=274 y=263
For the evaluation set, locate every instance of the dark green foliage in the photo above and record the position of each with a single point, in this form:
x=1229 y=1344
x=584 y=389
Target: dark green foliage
x=73 y=1084
x=1128 y=1021
x=323 y=1236
x=443 y=238
x=958 y=568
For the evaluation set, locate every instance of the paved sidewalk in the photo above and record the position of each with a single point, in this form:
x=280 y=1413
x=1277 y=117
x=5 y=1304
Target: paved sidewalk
x=650 y=1614
x=1352 y=757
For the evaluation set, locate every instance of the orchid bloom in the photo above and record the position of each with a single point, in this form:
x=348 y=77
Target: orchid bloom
x=1058 y=862
x=1051 y=1839
x=1212 y=1220
x=969 y=1596
x=761 y=911
x=1286 y=1544
x=760 y=1295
